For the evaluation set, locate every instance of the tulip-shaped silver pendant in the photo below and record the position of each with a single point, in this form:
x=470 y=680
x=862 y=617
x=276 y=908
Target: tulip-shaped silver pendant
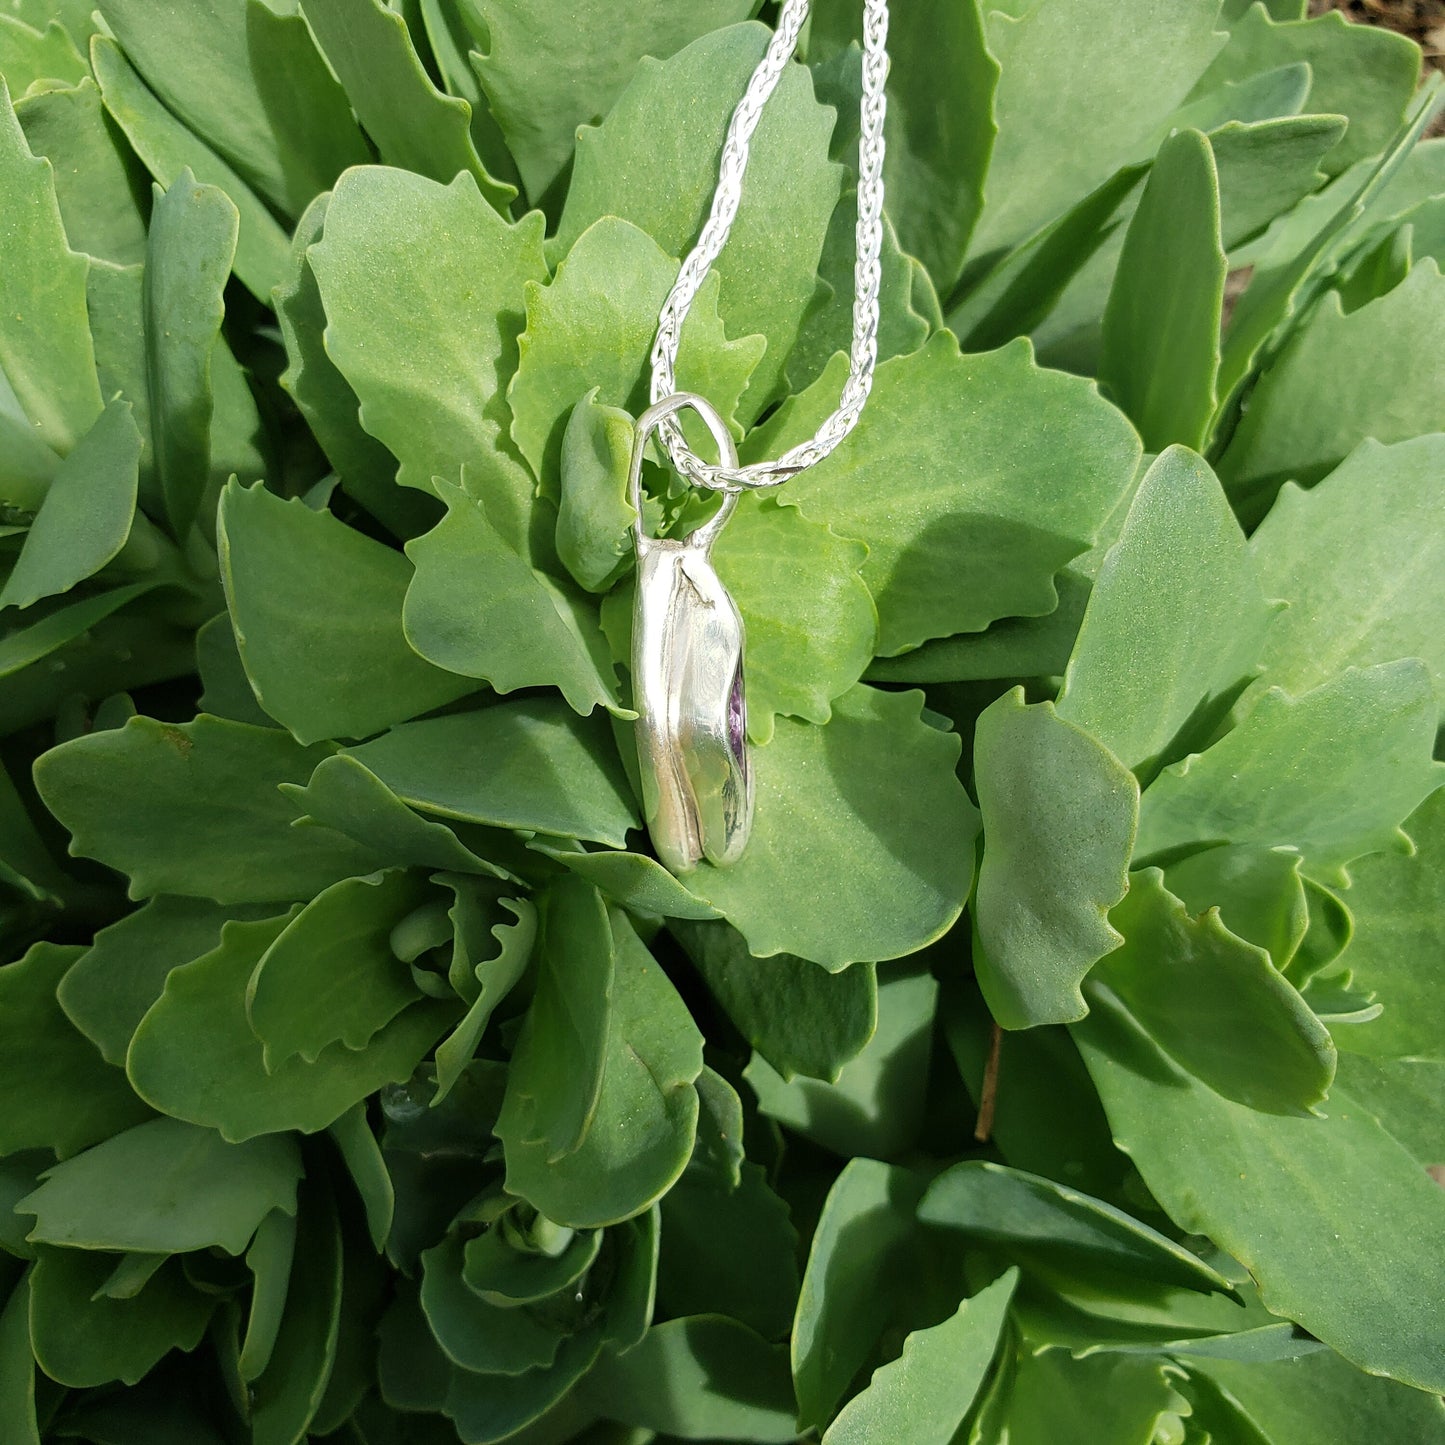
x=687 y=677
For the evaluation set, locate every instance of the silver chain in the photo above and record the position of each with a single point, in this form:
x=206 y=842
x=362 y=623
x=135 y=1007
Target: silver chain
x=867 y=275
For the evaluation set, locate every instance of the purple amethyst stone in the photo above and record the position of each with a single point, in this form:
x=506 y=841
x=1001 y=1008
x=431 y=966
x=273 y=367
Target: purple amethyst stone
x=738 y=720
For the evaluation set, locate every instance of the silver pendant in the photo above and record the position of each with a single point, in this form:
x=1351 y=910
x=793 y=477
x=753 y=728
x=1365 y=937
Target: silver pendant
x=687 y=677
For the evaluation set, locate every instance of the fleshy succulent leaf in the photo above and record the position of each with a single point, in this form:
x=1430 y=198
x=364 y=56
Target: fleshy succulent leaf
x=653 y=161
x=355 y=673
x=414 y=126
x=976 y=522
x=909 y=872
x=543 y=632
x=1059 y=814
x=1370 y=729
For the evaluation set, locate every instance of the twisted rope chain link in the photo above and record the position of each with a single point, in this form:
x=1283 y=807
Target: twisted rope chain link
x=867 y=273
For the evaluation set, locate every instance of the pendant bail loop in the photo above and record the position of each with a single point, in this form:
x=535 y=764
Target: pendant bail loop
x=702 y=536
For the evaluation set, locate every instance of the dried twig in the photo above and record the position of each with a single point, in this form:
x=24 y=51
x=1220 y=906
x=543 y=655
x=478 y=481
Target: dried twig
x=989 y=1093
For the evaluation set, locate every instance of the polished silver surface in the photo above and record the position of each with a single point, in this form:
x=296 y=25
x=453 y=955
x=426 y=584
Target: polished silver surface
x=863 y=356
x=687 y=678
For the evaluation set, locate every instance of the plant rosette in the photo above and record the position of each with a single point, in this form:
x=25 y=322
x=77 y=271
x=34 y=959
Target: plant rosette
x=1046 y=1066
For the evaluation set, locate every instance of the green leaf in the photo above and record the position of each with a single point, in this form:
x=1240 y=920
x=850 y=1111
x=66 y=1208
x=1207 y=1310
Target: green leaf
x=148 y=798
x=57 y=625
x=728 y=1247
x=1063 y=59
x=539 y=633
x=1322 y=1398
x=799 y=1017
x=643 y=1126
x=165 y=1187
x=100 y=655
x=705 y=1377
x=936 y=156
x=26 y=862
x=1268 y=1188
x=270 y=1259
x=1406 y=1097
x=954 y=547
x=876 y=795
x=638 y=882
x=1012 y=647
x=1047 y=1117
x=367 y=1167
x=532 y=764
x=167 y=148
x=1152 y=1320
x=192 y=243
x=546 y=72
x=1329 y=933
x=86 y=516
x=33 y=56
x=452 y=34
x=97 y=179
x=1381 y=268
x=857 y=1266
x=1067 y=265
x=555 y=1079
x=908 y=307
x=506 y=1274
x=367 y=470
x=1039 y=1221
x=593 y=327
x=1174 y=622
x=194 y=1055
x=422 y=284
x=45 y=347
x=1289 y=271
x=595 y=516
x=1370 y=733
x=876 y=1105
x=1058 y=1400
x=719 y=1153
x=475 y=1334
x=808 y=615
x=493 y=1407
x=928 y=1390
x=1059 y=814
x=1267 y=166
x=287 y=1395
x=1324 y=551
x=1362 y=72
x=1233 y=11
x=344 y=795
x=496 y=977
x=654 y=161
x=1427 y=232
x=321 y=638
x=1397 y=903
x=246 y=79
x=1160 y=356
x=415 y=126
x=1331 y=386
x=17 y=1368
x=83 y=1337
x=239 y=445
x=115 y=296
x=1216 y=1004
x=61 y=1095
x=1260 y=893
x=331 y=974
